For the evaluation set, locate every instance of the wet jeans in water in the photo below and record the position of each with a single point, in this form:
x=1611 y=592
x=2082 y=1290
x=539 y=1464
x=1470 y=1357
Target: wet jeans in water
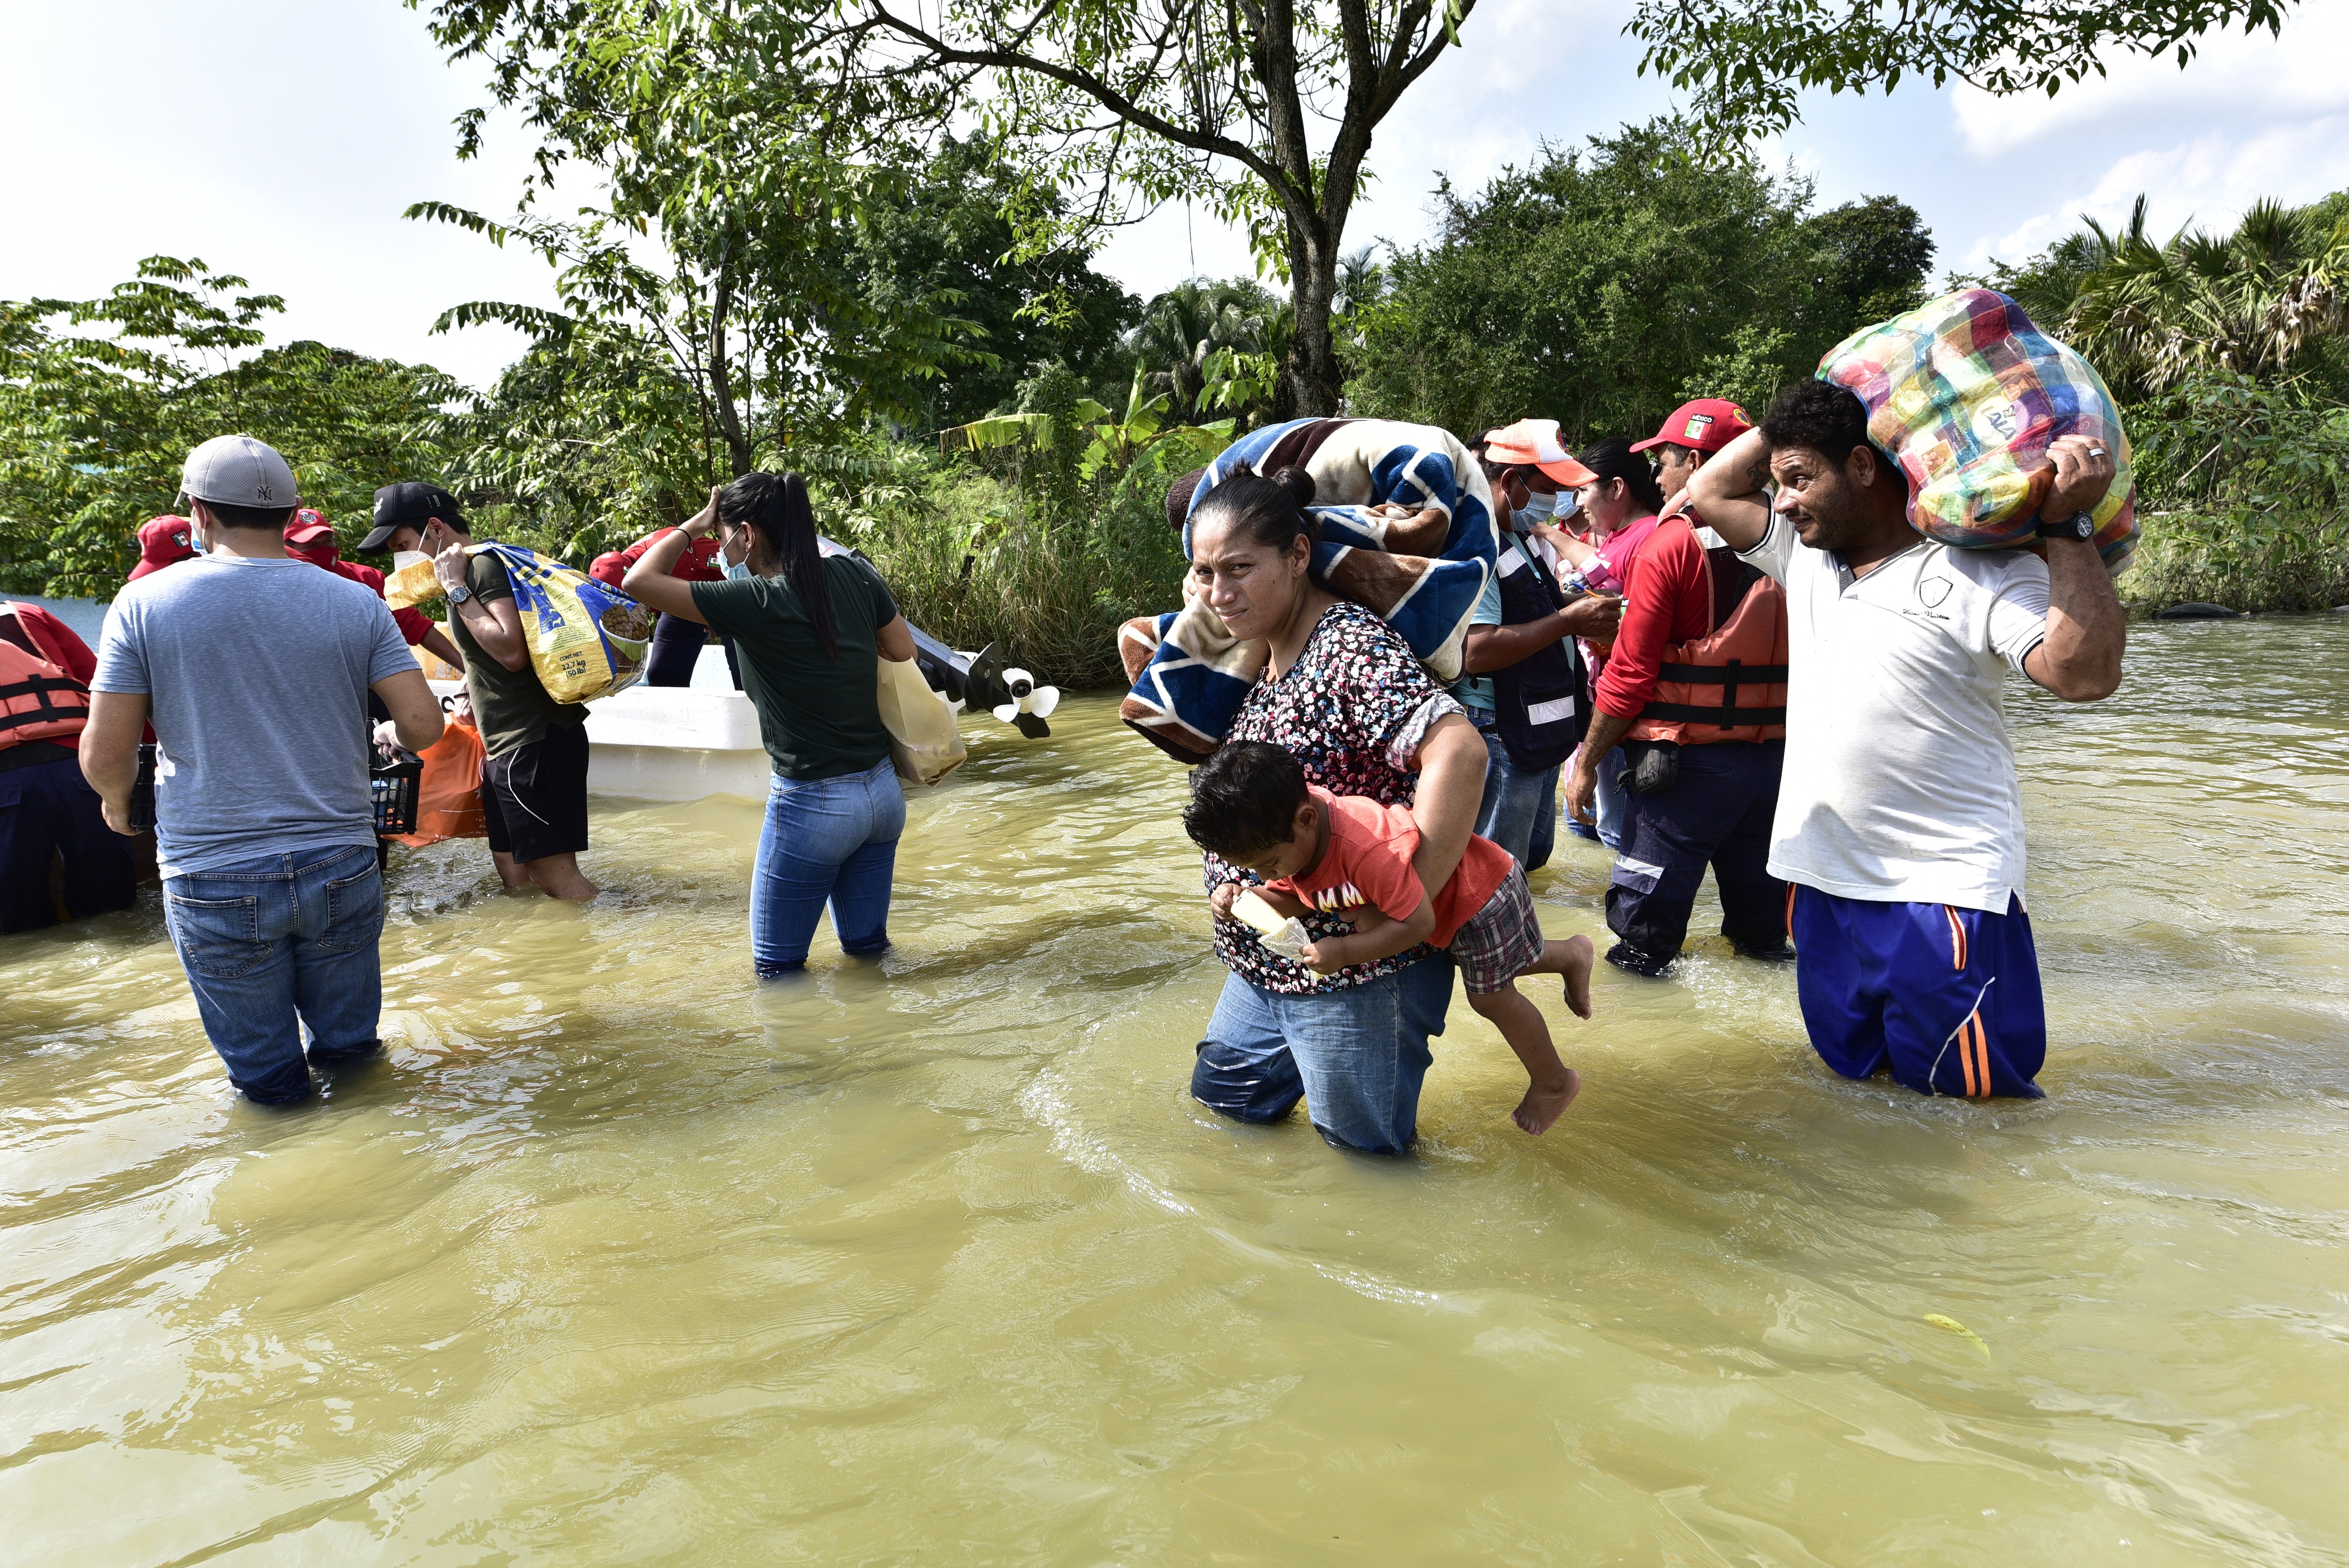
x=830 y=840
x=1357 y=1057
x=1519 y=811
x=277 y=942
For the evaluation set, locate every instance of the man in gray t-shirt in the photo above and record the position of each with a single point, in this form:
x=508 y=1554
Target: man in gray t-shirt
x=254 y=669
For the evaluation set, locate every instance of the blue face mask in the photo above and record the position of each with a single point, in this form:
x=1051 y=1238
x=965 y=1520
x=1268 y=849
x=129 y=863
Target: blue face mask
x=1539 y=507
x=737 y=570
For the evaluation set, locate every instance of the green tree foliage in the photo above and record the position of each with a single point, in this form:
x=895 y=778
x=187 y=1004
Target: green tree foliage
x=943 y=235
x=1748 y=61
x=1603 y=287
x=730 y=207
x=1215 y=346
x=101 y=399
x=2268 y=300
x=1263 y=112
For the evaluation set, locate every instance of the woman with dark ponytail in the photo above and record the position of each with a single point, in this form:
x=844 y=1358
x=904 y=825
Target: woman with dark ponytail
x=1342 y=694
x=809 y=628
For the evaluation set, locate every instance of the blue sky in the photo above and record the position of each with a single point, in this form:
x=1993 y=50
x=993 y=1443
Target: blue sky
x=281 y=138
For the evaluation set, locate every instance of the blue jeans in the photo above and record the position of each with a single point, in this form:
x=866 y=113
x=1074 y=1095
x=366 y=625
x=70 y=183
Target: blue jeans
x=1613 y=805
x=1511 y=813
x=277 y=942
x=825 y=839
x=1357 y=1055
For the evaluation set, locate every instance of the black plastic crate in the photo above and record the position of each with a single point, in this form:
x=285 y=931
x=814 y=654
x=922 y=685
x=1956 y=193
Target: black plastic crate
x=395 y=786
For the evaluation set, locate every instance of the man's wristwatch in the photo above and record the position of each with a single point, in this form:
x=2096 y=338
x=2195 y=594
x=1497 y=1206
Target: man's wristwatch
x=459 y=594
x=2079 y=526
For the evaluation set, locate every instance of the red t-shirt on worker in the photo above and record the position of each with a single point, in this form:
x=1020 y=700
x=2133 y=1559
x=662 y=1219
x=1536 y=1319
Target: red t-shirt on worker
x=1369 y=862
x=1670 y=601
x=698 y=563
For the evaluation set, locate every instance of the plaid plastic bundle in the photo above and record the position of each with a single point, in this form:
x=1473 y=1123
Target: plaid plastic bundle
x=1966 y=394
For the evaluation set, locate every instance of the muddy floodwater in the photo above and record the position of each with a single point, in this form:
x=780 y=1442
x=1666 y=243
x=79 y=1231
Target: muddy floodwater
x=620 y=1258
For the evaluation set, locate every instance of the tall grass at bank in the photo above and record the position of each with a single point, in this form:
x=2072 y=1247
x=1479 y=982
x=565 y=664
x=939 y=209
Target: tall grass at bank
x=2298 y=565
x=1028 y=561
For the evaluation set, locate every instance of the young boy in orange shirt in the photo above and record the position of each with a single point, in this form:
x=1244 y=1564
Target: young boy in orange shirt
x=1346 y=856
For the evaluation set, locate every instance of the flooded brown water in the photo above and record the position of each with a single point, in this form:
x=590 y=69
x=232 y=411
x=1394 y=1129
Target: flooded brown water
x=620 y=1258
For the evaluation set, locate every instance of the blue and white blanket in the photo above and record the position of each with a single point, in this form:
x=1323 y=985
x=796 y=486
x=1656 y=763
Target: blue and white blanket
x=1406 y=530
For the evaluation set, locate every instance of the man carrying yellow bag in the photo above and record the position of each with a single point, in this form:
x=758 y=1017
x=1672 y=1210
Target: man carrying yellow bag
x=535 y=768
x=816 y=635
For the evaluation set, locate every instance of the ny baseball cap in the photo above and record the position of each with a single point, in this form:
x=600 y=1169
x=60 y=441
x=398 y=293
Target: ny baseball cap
x=411 y=503
x=237 y=471
x=1706 y=425
x=1534 y=443
x=161 y=542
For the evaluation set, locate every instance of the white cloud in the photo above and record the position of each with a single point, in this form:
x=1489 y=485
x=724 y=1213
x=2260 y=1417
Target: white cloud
x=2233 y=76
x=2207 y=181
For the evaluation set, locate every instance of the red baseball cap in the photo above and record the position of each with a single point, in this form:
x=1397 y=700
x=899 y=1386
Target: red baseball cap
x=311 y=537
x=161 y=542
x=1534 y=443
x=1706 y=425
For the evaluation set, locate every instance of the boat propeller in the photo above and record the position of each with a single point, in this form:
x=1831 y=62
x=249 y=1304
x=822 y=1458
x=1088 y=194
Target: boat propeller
x=1030 y=706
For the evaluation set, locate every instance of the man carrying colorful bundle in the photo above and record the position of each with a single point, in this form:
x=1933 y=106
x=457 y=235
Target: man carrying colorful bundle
x=1899 y=819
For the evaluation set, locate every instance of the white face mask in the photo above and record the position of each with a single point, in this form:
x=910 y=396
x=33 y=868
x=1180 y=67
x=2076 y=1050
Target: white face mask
x=401 y=560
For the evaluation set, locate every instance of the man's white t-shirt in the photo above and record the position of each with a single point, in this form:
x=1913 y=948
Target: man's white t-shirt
x=1899 y=783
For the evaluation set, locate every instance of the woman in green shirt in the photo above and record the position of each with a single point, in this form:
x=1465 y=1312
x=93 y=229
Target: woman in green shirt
x=809 y=629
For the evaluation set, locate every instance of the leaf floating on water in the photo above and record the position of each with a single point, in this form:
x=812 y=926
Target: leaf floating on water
x=1951 y=1325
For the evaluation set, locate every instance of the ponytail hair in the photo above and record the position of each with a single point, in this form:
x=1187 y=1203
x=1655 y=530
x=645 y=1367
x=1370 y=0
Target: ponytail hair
x=1270 y=511
x=1613 y=458
x=776 y=506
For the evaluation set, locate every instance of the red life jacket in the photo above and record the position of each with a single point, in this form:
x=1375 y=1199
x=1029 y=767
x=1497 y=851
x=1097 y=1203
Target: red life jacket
x=38 y=701
x=1731 y=683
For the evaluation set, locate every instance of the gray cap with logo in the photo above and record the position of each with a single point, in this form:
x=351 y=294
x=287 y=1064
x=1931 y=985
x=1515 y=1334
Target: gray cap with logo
x=237 y=471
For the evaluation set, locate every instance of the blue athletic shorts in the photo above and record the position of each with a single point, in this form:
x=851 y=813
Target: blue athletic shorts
x=1947 y=998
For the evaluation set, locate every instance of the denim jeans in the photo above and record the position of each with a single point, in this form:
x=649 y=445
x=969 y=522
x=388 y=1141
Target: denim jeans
x=277 y=942
x=1613 y=807
x=1357 y=1057
x=1511 y=812
x=825 y=839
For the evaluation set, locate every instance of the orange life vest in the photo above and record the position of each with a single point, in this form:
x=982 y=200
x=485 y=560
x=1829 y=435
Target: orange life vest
x=38 y=701
x=1731 y=683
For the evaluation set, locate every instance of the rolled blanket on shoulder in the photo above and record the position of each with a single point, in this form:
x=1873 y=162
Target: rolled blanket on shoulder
x=1405 y=520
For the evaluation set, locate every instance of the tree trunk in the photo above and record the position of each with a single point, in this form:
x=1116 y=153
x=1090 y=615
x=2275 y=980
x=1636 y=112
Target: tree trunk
x=1312 y=383
x=721 y=380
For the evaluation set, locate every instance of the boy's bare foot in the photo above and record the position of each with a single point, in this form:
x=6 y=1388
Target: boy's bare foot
x=1544 y=1104
x=1577 y=970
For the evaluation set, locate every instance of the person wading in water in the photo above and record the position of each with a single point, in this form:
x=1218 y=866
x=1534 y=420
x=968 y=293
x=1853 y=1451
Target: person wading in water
x=1899 y=819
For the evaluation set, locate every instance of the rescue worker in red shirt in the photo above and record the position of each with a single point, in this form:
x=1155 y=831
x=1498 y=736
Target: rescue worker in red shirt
x=48 y=813
x=1695 y=691
x=311 y=538
x=677 y=641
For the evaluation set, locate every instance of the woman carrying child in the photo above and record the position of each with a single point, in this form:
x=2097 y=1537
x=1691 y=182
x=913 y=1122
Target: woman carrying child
x=1342 y=694
x=1331 y=854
